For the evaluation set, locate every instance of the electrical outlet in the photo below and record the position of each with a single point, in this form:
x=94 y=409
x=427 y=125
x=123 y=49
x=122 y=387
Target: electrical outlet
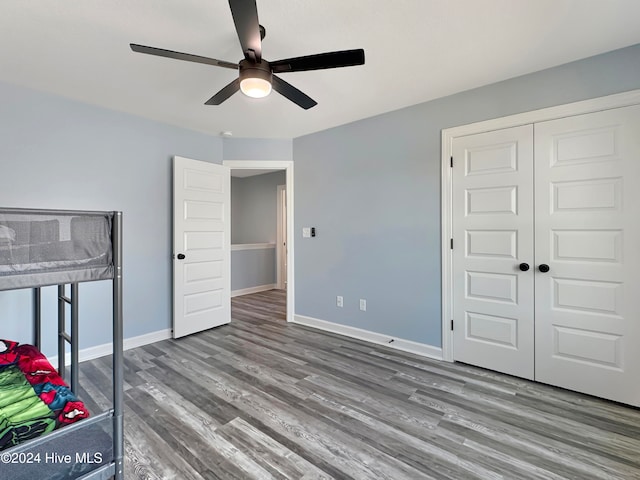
x=363 y=305
x=339 y=301
x=306 y=232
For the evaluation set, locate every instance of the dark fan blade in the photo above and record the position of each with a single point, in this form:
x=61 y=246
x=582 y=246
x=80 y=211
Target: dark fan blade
x=160 y=52
x=225 y=93
x=292 y=93
x=245 y=17
x=345 y=58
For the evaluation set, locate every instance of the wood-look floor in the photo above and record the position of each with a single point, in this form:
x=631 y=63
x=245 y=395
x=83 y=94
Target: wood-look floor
x=261 y=399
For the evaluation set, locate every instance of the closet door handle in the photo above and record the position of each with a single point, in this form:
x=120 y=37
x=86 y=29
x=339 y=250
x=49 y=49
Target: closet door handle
x=543 y=267
x=181 y=256
x=524 y=267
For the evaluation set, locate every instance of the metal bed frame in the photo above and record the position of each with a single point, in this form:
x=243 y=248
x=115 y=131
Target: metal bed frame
x=115 y=468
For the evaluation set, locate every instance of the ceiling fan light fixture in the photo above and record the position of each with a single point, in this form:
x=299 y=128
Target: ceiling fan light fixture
x=255 y=79
x=255 y=87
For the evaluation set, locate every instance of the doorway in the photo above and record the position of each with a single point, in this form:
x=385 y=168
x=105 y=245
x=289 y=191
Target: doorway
x=259 y=167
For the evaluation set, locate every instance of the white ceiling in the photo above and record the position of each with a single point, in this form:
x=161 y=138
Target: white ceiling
x=416 y=50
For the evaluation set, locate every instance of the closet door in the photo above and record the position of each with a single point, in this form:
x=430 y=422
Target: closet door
x=587 y=305
x=493 y=235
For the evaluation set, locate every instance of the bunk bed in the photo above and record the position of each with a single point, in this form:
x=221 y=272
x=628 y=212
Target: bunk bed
x=40 y=248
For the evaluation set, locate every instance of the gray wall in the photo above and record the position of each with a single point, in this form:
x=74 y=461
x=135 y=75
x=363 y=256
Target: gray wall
x=254 y=207
x=257 y=149
x=58 y=153
x=372 y=190
x=253 y=268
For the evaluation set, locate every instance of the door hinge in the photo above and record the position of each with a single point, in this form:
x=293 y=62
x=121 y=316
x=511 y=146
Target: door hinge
x=451 y=244
x=451 y=162
x=452 y=325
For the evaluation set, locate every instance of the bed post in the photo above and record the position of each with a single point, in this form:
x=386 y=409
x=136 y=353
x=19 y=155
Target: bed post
x=75 y=337
x=37 y=318
x=62 y=325
x=118 y=371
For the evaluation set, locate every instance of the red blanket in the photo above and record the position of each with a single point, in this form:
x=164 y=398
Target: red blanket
x=33 y=397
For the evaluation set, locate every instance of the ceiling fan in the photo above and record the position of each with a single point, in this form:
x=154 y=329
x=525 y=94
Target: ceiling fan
x=256 y=75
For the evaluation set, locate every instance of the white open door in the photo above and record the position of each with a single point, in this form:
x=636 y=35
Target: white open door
x=201 y=246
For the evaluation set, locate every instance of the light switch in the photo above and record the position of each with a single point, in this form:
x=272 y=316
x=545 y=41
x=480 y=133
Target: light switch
x=306 y=232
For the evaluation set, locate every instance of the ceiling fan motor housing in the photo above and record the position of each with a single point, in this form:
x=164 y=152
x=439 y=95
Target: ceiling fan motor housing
x=260 y=70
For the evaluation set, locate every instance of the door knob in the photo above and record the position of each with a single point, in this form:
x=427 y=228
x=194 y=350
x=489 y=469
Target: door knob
x=543 y=267
x=181 y=256
x=524 y=267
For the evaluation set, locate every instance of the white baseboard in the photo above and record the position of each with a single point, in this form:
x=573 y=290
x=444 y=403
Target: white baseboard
x=247 y=291
x=105 y=349
x=146 y=339
x=421 y=349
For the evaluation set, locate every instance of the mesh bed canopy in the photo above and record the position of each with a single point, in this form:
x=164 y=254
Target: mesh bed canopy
x=45 y=247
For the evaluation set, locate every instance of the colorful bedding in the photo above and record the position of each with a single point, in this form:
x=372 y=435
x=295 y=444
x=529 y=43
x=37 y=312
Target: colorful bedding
x=33 y=398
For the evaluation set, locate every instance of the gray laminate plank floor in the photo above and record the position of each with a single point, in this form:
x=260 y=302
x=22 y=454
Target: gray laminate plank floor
x=262 y=399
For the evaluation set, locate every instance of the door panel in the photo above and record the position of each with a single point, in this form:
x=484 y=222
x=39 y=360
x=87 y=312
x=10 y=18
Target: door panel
x=202 y=279
x=587 y=170
x=281 y=238
x=493 y=234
